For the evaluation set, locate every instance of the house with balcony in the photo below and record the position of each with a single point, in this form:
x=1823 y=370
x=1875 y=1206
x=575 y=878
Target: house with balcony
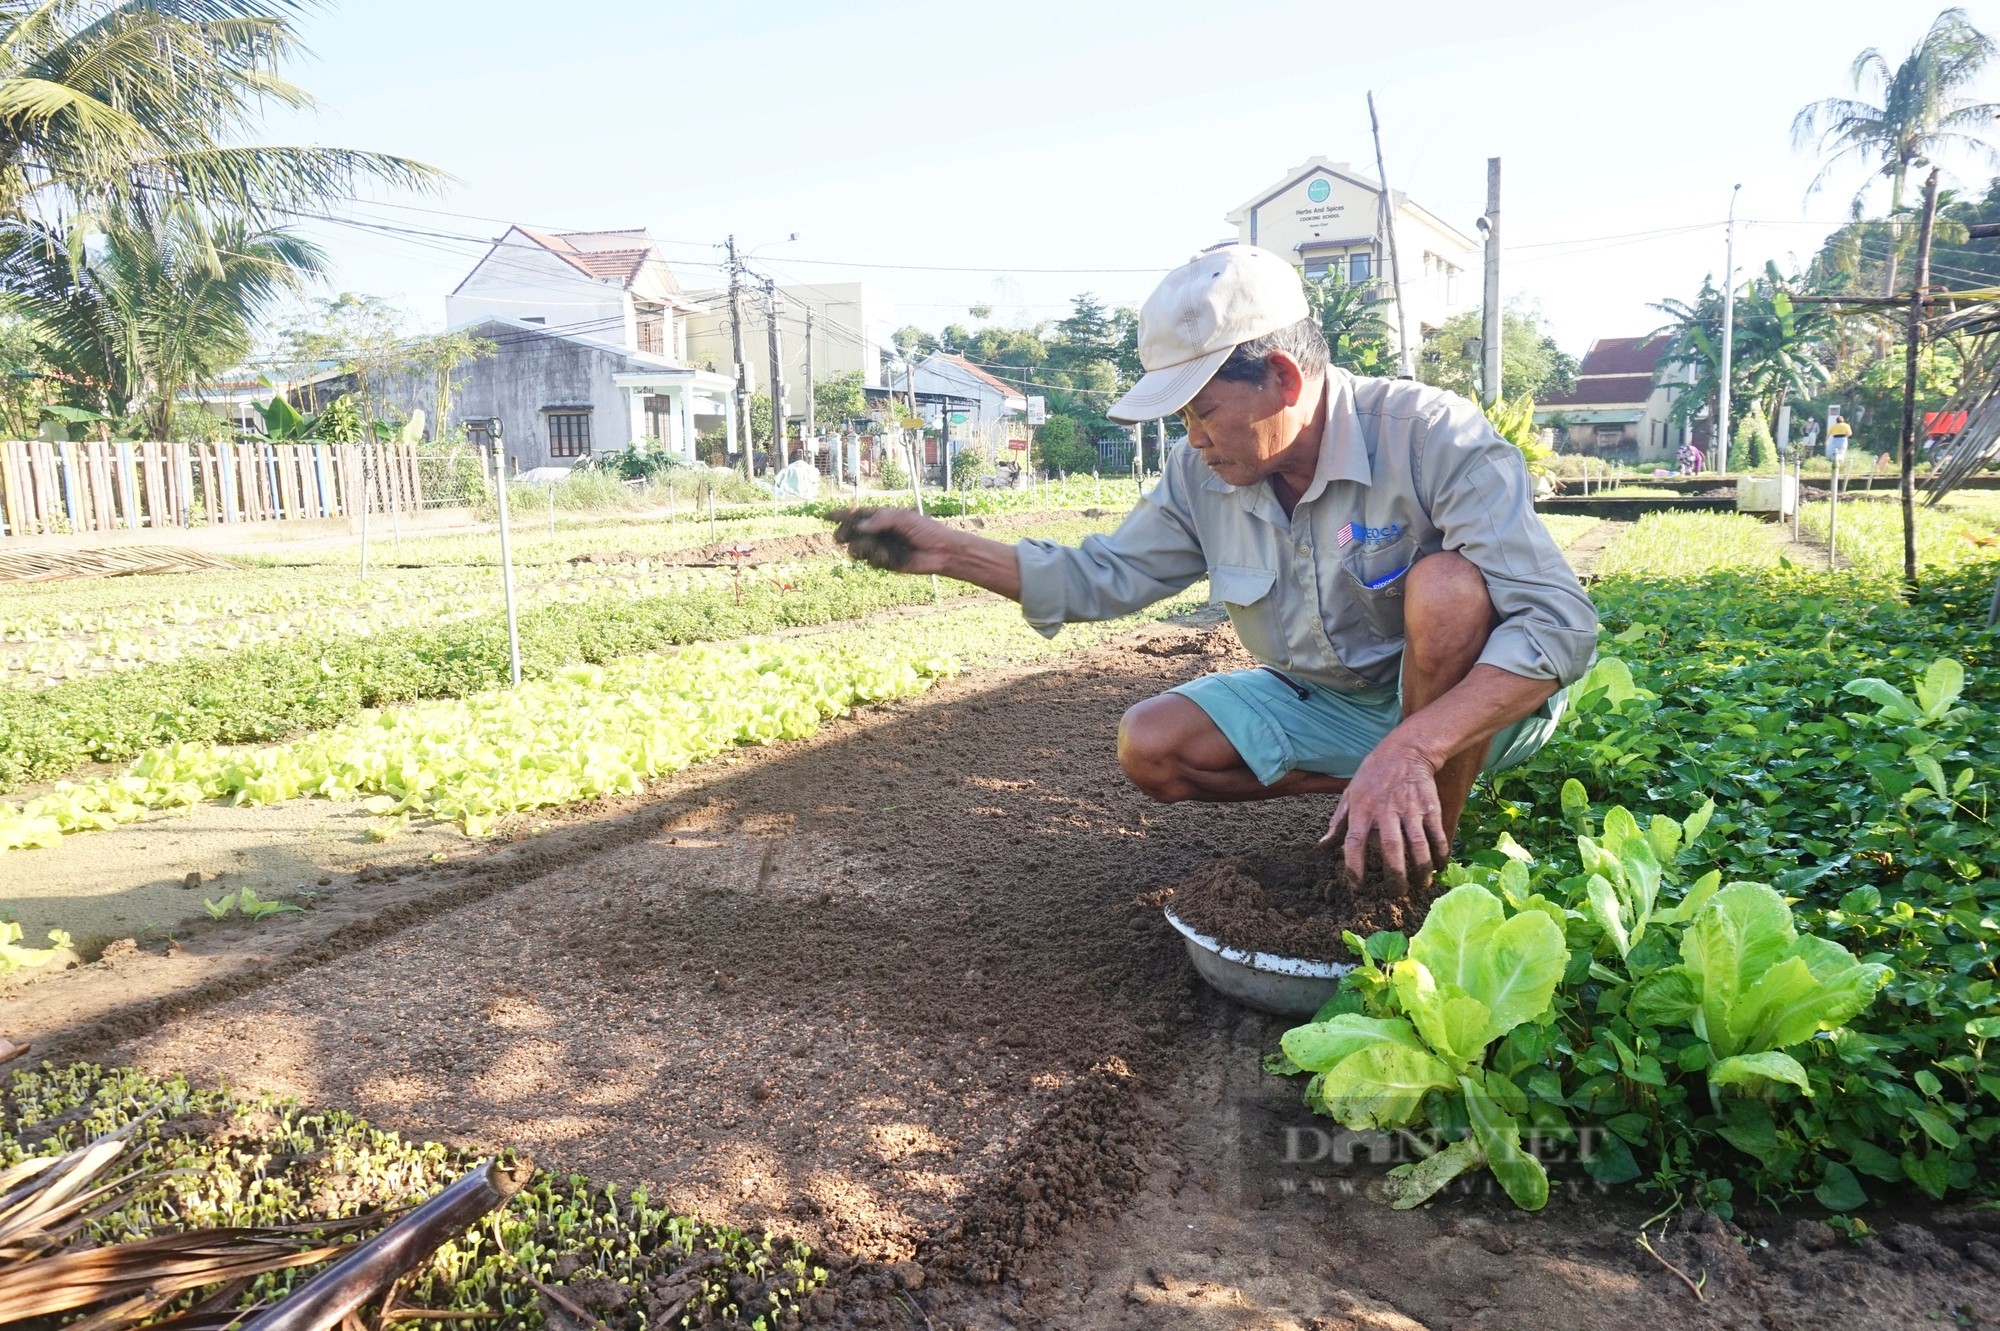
x=1328 y=219
x=590 y=337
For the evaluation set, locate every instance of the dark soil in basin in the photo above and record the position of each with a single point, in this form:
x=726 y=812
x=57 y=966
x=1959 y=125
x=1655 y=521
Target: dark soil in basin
x=1294 y=901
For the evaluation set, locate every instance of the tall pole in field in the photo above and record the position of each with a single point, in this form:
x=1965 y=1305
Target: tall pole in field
x=777 y=378
x=366 y=481
x=1489 y=322
x=1407 y=357
x=812 y=426
x=740 y=409
x=1728 y=337
x=506 y=556
x=1914 y=337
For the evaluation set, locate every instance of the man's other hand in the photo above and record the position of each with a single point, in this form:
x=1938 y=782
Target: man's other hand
x=1394 y=799
x=898 y=539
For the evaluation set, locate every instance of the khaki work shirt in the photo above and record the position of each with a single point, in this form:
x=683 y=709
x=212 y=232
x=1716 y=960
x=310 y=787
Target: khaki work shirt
x=1405 y=470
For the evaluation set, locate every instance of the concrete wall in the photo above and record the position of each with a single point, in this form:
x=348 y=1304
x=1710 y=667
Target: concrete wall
x=525 y=377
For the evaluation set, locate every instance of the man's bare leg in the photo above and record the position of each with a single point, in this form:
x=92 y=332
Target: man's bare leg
x=1447 y=617
x=1173 y=751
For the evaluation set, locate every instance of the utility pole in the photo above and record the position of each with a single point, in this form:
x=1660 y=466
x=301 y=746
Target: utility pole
x=1914 y=337
x=1728 y=336
x=1407 y=362
x=742 y=405
x=812 y=424
x=1489 y=322
x=777 y=378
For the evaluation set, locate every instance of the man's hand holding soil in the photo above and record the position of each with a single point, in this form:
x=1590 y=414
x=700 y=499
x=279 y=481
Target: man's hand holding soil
x=1375 y=544
x=903 y=540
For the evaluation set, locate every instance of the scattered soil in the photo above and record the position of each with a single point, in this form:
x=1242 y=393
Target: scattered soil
x=1294 y=902
x=893 y=990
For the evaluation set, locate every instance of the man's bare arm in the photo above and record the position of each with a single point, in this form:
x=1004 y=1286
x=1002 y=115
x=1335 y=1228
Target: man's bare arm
x=903 y=541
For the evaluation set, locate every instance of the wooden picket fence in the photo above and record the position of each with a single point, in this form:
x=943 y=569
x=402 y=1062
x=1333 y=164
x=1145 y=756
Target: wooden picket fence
x=94 y=485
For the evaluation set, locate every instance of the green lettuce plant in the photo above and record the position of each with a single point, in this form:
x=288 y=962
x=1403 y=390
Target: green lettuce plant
x=1610 y=1006
x=1472 y=975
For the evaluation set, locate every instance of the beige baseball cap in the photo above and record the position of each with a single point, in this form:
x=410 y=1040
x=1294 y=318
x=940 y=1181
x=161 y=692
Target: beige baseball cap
x=1198 y=314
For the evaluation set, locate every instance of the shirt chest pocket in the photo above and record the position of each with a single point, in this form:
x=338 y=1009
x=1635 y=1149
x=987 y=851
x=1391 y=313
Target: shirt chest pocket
x=1373 y=582
x=1240 y=587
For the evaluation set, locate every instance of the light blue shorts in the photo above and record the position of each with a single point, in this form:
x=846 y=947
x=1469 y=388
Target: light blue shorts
x=1276 y=730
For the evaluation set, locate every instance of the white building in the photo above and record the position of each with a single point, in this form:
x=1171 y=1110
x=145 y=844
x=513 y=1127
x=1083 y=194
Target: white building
x=1327 y=218
x=591 y=337
x=965 y=404
x=851 y=326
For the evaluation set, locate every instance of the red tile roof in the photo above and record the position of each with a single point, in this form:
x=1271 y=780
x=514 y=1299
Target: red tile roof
x=1623 y=355
x=962 y=363
x=1604 y=390
x=616 y=265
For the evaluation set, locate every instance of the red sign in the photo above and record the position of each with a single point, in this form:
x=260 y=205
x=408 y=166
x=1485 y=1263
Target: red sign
x=1943 y=422
x=1018 y=445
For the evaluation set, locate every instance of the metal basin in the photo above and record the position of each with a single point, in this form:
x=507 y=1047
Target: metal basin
x=1285 y=986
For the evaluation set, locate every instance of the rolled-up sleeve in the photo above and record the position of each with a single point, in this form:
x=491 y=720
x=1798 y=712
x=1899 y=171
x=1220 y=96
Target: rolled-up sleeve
x=1476 y=487
x=1153 y=554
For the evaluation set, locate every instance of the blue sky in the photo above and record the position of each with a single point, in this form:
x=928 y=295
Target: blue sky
x=1087 y=136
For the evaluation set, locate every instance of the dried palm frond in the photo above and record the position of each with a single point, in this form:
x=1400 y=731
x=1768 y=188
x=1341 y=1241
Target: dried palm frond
x=49 y=1266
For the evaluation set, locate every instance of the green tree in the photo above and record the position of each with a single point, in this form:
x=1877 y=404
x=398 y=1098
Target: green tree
x=128 y=318
x=440 y=355
x=1350 y=316
x=130 y=106
x=1059 y=449
x=1921 y=110
x=1754 y=450
x=839 y=400
x=1451 y=356
x=1777 y=351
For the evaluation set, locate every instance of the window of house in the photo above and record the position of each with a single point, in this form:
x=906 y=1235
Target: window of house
x=1316 y=268
x=652 y=323
x=569 y=434
x=1359 y=268
x=1609 y=436
x=659 y=417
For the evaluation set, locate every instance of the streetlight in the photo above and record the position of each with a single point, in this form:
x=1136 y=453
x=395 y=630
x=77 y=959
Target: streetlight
x=1728 y=335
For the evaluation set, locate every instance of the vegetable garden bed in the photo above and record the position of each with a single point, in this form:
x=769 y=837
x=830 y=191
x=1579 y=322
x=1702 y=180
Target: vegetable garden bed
x=900 y=992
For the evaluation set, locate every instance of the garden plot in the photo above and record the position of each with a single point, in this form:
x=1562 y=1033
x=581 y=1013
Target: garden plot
x=893 y=991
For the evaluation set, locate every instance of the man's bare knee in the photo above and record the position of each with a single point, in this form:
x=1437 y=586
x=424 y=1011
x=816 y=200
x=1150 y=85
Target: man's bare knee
x=1448 y=613
x=1153 y=744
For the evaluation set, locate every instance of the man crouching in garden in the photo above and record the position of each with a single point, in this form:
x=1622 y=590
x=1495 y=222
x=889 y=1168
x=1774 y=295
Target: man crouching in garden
x=1376 y=548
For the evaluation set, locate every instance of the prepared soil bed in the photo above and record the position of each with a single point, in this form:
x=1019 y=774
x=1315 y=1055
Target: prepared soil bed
x=894 y=992
x=1293 y=902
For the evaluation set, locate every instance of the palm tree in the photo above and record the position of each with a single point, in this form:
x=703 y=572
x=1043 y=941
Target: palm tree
x=1775 y=354
x=1921 y=112
x=129 y=105
x=129 y=317
x=1350 y=315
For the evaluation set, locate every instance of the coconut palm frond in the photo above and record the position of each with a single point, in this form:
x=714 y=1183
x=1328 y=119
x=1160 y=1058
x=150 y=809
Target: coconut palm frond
x=131 y=101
